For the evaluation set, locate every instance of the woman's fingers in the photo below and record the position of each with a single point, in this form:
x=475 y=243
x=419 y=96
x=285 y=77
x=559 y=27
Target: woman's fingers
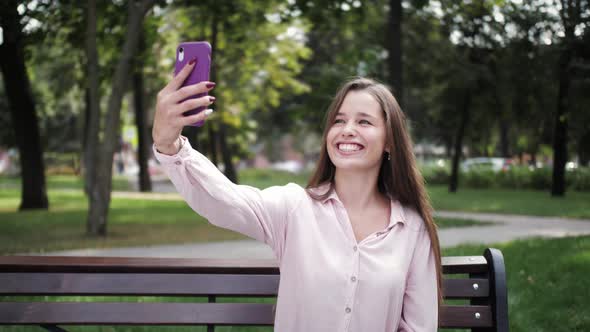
x=193 y=103
x=194 y=118
x=191 y=90
x=177 y=81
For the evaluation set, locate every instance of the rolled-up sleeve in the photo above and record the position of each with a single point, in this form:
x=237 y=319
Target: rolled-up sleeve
x=259 y=214
x=420 y=303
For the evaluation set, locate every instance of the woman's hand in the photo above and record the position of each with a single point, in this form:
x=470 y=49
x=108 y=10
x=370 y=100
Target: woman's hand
x=169 y=119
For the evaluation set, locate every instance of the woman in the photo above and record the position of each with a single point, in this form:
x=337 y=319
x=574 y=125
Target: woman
x=358 y=248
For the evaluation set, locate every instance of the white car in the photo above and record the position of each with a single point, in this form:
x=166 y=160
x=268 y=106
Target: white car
x=481 y=163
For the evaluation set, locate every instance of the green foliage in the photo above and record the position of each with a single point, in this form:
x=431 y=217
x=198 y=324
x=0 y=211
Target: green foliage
x=516 y=177
x=435 y=175
x=579 y=179
x=478 y=179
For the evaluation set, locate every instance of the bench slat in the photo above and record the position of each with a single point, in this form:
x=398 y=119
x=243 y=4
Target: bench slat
x=464 y=316
x=464 y=264
x=465 y=289
x=138 y=284
x=460 y=264
x=67 y=313
x=177 y=284
x=104 y=313
x=78 y=264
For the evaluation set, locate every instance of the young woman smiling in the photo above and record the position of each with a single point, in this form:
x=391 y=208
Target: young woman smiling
x=358 y=248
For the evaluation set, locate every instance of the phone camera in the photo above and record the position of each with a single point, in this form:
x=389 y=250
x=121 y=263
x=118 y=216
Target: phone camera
x=181 y=50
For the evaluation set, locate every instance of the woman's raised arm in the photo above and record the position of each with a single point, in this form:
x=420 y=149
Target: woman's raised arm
x=260 y=214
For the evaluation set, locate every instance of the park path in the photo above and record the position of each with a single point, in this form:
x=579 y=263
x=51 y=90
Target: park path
x=497 y=228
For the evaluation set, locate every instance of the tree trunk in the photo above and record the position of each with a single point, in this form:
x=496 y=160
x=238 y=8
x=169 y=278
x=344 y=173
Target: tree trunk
x=101 y=192
x=143 y=142
x=561 y=125
x=212 y=141
x=454 y=180
x=584 y=149
x=92 y=121
x=229 y=170
x=192 y=134
x=394 y=45
x=211 y=132
x=22 y=110
x=504 y=141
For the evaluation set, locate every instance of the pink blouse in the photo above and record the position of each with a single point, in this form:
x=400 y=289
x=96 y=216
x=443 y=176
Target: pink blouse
x=328 y=281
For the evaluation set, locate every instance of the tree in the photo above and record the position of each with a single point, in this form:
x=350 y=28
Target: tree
x=92 y=119
x=143 y=142
x=255 y=58
x=395 y=48
x=100 y=192
x=22 y=108
x=571 y=15
x=473 y=72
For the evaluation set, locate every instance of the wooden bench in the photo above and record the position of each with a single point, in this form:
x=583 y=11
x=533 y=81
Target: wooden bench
x=480 y=281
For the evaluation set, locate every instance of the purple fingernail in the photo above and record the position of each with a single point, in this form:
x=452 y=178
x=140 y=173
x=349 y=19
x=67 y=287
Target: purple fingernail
x=210 y=85
x=211 y=99
x=192 y=62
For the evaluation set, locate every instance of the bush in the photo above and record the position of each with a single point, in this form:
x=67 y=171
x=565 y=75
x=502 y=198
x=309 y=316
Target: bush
x=541 y=178
x=580 y=179
x=436 y=174
x=517 y=177
x=478 y=179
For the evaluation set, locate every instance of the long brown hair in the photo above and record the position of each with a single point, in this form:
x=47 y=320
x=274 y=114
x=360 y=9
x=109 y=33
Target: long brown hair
x=399 y=178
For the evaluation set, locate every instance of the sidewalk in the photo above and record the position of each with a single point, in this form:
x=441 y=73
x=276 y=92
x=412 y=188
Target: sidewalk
x=505 y=228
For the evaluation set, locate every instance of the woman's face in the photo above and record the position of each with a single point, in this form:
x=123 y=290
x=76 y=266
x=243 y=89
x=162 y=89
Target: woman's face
x=356 y=139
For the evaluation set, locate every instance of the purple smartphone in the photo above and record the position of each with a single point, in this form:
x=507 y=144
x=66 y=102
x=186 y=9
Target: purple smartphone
x=201 y=51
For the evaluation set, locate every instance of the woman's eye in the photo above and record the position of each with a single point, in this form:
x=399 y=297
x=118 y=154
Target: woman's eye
x=338 y=121
x=364 y=121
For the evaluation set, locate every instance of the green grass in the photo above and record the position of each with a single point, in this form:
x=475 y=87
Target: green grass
x=132 y=222
x=446 y=222
x=61 y=182
x=527 y=202
x=266 y=178
x=547 y=283
x=542 y=297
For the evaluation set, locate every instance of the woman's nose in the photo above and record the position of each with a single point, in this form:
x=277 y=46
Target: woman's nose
x=349 y=129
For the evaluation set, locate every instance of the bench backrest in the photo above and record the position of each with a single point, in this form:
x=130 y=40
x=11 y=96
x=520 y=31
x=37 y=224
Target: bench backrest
x=478 y=281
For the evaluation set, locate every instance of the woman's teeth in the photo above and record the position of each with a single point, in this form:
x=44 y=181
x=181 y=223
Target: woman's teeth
x=349 y=147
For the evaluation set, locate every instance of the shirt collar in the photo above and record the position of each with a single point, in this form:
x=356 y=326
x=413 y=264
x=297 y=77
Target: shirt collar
x=397 y=210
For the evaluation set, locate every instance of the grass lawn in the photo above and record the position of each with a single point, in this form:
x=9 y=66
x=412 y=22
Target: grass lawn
x=132 y=222
x=61 y=182
x=547 y=283
x=542 y=297
x=527 y=202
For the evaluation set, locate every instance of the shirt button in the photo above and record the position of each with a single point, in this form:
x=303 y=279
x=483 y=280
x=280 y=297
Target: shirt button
x=355 y=248
x=353 y=278
x=348 y=310
x=178 y=162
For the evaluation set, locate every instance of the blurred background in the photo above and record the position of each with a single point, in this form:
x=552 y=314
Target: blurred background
x=496 y=94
